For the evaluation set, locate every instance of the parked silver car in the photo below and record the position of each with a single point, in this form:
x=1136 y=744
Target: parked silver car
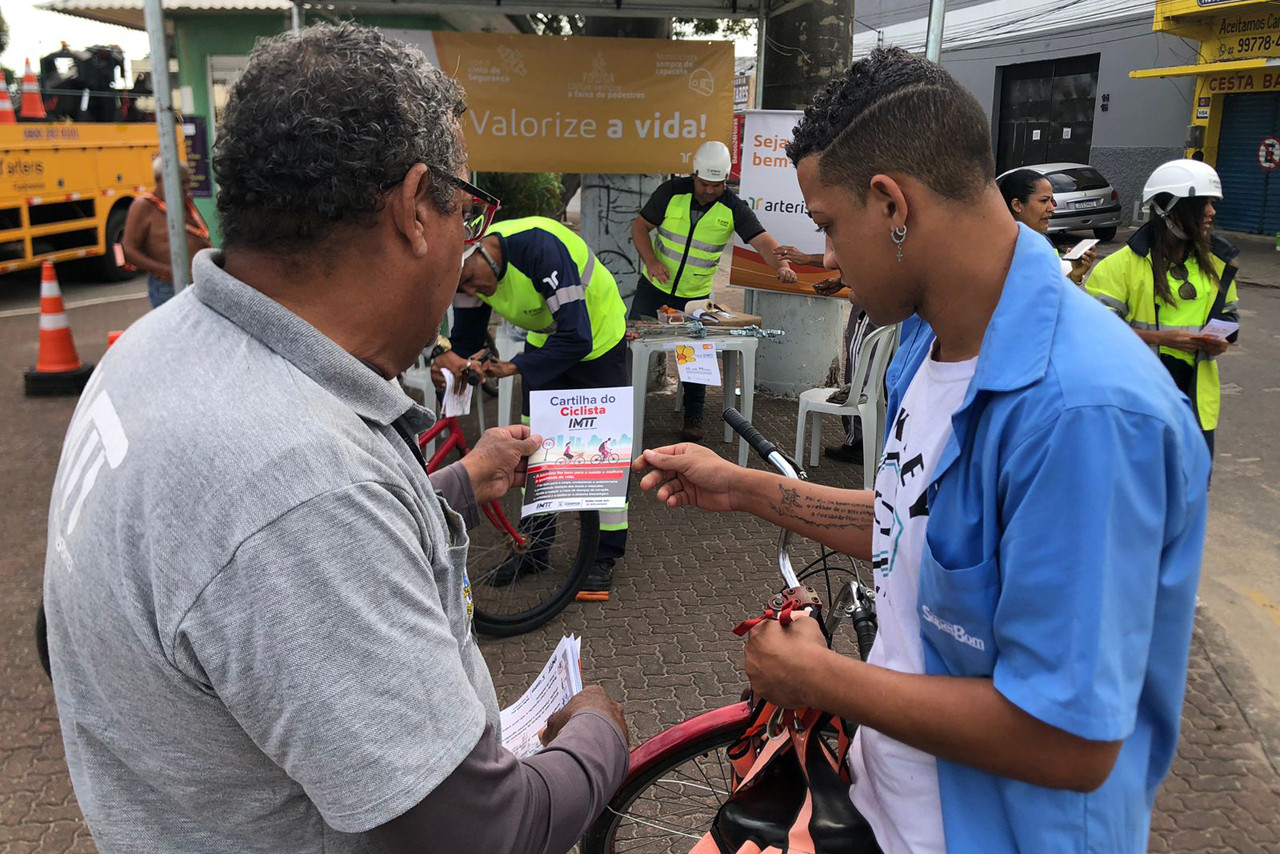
x=1086 y=200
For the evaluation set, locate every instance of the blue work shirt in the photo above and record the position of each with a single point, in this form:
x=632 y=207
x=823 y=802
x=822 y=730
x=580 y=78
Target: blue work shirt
x=1062 y=555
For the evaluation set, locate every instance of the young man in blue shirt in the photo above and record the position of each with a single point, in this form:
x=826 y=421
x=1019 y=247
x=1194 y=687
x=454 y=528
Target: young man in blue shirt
x=1038 y=518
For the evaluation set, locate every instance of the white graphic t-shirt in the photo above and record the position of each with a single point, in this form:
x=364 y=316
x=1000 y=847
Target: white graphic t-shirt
x=896 y=786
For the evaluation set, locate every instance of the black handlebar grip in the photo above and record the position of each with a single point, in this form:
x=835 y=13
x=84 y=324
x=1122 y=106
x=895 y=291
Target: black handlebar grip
x=864 y=626
x=743 y=428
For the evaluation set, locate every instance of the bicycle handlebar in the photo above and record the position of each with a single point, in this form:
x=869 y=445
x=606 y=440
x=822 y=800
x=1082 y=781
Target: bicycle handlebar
x=753 y=437
x=778 y=460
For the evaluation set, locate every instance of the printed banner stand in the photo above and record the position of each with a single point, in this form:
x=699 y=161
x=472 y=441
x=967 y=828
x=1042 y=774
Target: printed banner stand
x=770 y=187
x=584 y=462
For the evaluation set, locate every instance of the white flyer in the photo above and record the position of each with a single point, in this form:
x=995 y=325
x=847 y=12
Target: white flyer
x=1220 y=329
x=457 y=396
x=584 y=462
x=560 y=679
x=696 y=363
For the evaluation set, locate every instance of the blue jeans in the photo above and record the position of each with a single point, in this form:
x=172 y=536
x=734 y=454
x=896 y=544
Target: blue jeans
x=646 y=303
x=158 y=291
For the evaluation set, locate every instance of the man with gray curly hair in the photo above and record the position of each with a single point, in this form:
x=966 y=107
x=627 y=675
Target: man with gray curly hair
x=259 y=614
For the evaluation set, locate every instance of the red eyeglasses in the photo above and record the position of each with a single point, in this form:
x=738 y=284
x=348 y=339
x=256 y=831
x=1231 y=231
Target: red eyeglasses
x=477 y=212
x=477 y=215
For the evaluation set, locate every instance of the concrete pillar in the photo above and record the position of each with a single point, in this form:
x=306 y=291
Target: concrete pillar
x=609 y=206
x=808 y=45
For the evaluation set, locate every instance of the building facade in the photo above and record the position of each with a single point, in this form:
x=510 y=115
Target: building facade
x=1055 y=77
x=1235 y=120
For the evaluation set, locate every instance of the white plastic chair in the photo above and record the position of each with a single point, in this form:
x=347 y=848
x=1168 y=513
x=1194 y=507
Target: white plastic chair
x=868 y=407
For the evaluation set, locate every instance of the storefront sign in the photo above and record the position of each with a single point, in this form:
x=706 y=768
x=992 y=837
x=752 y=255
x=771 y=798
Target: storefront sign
x=1255 y=81
x=769 y=186
x=1244 y=36
x=581 y=104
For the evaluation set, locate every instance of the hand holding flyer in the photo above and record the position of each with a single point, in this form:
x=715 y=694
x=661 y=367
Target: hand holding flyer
x=585 y=459
x=559 y=681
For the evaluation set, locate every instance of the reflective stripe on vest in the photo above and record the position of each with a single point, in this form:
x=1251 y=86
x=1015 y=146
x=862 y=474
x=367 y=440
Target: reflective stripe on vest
x=690 y=252
x=519 y=301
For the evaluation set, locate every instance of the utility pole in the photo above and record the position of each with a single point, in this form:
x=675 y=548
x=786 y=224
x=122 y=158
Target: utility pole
x=805 y=45
x=933 y=42
x=175 y=208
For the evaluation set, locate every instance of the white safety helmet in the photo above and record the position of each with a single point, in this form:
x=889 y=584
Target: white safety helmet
x=712 y=162
x=1183 y=179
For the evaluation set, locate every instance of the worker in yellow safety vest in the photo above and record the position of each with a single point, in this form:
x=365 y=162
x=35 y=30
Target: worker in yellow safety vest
x=1173 y=277
x=680 y=233
x=542 y=277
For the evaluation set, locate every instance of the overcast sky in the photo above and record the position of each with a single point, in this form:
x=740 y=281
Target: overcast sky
x=34 y=32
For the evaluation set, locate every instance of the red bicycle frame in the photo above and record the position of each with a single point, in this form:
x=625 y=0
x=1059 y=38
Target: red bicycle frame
x=455 y=440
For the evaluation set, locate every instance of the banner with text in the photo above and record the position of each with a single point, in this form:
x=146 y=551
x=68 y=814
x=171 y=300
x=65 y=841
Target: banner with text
x=769 y=186
x=585 y=104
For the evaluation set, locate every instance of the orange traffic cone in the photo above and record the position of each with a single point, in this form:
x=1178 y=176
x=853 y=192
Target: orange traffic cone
x=6 y=106
x=32 y=104
x=58 y=368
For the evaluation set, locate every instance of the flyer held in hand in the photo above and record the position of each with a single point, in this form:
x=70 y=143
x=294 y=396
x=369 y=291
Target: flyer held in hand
x=585 y=457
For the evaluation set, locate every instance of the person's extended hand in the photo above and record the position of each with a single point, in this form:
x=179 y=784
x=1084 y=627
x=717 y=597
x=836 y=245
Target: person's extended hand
x=688 y=475
x=829 y=287
x=775 y=655
x=165 y=274
x=446 y=361
x=786 y=275
x=786 y=253
x=591 y=698
x=497 y=462
x=498 y=369
x=1179 y=340
x=1081 y=266
x=660 y=274
x=1210 y=345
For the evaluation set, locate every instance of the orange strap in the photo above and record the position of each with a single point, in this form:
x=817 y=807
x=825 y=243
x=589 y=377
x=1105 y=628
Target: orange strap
x=201 y=230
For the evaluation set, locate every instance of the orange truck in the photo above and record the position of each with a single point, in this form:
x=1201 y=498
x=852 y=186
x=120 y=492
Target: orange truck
x=65 y=190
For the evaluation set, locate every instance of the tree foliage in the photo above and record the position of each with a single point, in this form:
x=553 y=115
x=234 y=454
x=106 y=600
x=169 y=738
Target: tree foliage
x=728 y=28
x=524 y=193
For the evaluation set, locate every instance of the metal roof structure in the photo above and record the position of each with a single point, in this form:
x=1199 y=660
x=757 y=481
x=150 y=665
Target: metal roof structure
x=128 y=13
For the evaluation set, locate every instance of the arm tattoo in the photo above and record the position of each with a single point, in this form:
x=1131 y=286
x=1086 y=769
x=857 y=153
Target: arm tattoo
x=822 y=512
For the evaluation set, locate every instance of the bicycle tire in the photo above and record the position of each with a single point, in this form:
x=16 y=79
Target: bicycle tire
x=532 y=599
x=615 y=821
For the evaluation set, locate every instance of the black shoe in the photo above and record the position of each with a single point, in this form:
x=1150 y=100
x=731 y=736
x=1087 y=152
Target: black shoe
x=843 y=453
x=692 y=431
x=515 y=565
x=598 y=583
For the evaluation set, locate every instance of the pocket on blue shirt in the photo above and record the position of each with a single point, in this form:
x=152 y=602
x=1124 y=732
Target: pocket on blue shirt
x=957 y=609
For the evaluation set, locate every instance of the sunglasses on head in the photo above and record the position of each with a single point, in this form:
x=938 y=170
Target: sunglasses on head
x=477 y=212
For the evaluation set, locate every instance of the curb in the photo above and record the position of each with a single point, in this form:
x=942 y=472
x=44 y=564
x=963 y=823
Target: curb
x=1256 y=704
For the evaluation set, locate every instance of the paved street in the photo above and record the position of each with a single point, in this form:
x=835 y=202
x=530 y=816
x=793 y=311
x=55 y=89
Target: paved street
x=663 y=643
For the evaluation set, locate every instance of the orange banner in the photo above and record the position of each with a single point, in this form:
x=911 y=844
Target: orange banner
x=582 y=104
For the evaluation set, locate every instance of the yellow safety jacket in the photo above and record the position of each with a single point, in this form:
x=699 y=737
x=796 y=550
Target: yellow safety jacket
x=1125 y=283
x=530 y=305
x=691 y=253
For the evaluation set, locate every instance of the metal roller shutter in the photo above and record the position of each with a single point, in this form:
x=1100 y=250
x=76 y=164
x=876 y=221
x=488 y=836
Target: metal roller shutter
x=1252 y=194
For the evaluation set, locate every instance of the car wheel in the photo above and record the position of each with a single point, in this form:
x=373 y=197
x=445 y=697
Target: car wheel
x=1105 y=234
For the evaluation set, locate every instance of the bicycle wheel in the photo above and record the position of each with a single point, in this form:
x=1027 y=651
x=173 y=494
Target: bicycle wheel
x=667 y=807
x=516 y=588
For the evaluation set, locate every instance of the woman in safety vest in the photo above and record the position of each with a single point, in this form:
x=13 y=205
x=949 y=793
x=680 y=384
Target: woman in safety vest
x=1173 y=277
x=1029 y=196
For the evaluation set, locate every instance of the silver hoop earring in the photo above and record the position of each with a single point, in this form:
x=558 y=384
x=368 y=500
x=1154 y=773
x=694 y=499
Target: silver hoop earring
x=899 y=236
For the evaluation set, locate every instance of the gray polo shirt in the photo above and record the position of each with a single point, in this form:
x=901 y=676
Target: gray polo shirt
x=258 y=608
